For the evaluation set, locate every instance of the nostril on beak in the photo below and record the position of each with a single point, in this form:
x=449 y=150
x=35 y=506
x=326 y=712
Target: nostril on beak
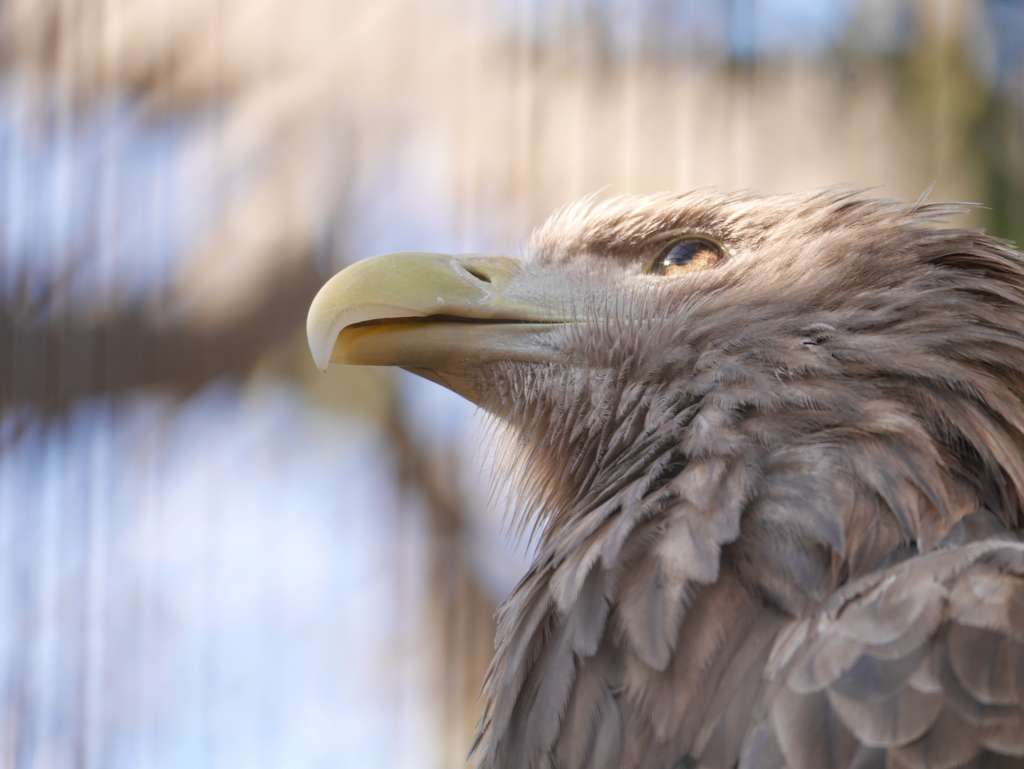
x=478 y=274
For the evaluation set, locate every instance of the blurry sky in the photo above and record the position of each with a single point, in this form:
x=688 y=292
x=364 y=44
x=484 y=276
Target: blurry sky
x=211 y=555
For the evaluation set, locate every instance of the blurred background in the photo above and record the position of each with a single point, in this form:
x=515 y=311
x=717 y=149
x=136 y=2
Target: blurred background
x=211 y=554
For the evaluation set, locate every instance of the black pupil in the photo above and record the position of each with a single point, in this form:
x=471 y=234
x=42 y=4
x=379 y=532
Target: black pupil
x=683 y=253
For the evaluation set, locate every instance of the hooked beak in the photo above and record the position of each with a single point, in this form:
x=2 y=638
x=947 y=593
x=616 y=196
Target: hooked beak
x=430 y=312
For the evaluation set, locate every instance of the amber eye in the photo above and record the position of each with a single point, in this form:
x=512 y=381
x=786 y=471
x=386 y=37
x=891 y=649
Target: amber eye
x=689 y=255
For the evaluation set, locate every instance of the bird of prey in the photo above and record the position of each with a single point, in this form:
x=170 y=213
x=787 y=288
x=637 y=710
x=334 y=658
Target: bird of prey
x=773 y=451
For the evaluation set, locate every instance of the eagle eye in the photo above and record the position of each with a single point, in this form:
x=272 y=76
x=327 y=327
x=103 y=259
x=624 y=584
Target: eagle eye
x=692 y=254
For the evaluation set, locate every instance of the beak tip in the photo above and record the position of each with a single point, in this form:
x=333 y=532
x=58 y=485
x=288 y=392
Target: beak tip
x=321 y=346
x=321 y=341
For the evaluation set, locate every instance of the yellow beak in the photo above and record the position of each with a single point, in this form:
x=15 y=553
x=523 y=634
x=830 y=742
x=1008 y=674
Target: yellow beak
x=428 y=311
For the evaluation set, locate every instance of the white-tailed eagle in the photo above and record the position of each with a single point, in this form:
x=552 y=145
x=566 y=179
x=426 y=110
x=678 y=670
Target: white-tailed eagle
x=774 y=450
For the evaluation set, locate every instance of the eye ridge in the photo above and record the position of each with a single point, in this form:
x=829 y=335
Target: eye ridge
x=690 y=254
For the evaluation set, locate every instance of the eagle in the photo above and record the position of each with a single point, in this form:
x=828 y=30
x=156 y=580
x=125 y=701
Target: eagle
x=771 y=450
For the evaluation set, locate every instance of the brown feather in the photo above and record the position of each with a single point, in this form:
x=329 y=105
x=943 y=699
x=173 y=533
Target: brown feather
x=777 y=502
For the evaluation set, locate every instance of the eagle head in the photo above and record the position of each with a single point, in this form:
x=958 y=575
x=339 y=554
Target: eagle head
x=705 y=399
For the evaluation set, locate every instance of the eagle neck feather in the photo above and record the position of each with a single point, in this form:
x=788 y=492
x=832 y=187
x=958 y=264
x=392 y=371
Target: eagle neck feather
x=782 y=446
